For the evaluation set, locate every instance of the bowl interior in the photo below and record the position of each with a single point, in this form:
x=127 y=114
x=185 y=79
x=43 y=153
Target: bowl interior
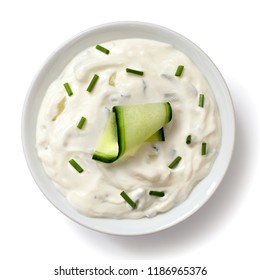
x=50 y=71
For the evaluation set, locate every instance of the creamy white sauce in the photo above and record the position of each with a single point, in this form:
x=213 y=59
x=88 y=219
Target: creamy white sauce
x=96 y=191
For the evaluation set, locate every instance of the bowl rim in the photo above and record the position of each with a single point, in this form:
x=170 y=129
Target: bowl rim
x=27 y=147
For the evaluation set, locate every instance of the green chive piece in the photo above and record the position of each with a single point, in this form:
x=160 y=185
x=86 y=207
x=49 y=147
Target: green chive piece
x=188 y=139
x=203 y=149
x=140 y=73
x=201 y=100
x=76 y=165
x=156 y=193
x=179 y=70
x=175 y=162
x=102 y=49
x=81 y=122
x=92 y=83
x=128 y=199
x=68 y=89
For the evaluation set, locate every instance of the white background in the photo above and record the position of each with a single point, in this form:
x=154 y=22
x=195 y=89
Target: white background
x=223 y=235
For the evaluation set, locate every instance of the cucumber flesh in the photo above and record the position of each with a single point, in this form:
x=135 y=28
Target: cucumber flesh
x=107 y=148
x=129 y=126
x=136 y=123
x=157 y=136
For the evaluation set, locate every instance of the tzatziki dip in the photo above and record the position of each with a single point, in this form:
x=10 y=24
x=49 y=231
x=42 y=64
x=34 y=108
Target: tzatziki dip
x=128 y=129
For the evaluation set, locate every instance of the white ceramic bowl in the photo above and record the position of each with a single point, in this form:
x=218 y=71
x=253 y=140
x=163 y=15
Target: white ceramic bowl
x=52 y=68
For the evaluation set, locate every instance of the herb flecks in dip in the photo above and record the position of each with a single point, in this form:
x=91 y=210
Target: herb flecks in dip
x=158 y=175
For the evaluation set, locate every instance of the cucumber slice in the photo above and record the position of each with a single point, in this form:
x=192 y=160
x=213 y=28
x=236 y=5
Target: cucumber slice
x=129 y=126
x=136 y=123
x=107 y=148
x=157 y=136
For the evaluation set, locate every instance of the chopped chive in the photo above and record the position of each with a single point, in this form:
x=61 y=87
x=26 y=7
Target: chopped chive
x=188 y=139
x=201 y=100
x=102 y=49
x=68 y=89
x=81 y=122
x=128 y=199
x=156 y=193
x=175 y=162
x=92 y=83
x=203 y=149
x=128 y=70
x=179 y=70
x=76 y=165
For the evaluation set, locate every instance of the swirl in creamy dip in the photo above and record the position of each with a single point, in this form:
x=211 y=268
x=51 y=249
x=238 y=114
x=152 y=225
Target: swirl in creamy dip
x=96 y=191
